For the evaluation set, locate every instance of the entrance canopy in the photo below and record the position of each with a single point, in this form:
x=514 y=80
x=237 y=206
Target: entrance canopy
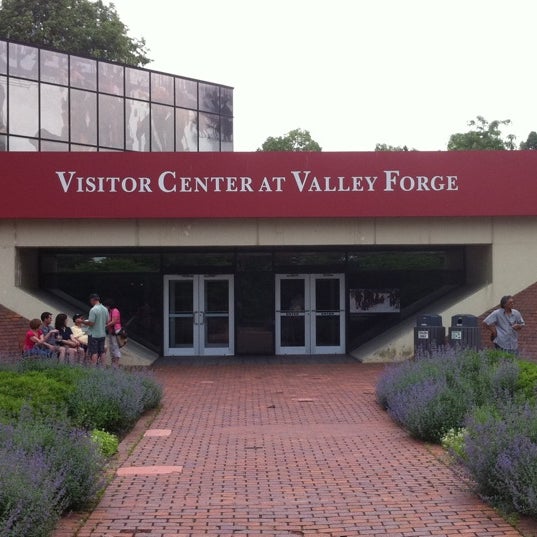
x=268 y=185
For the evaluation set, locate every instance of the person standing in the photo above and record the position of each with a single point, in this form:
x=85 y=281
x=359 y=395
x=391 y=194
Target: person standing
x=96 y=322
x=504 y=325
x=113 y=327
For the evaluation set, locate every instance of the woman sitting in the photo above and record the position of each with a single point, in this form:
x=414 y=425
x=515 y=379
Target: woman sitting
x=34 y=340
x=74 y=353
x=79 y=333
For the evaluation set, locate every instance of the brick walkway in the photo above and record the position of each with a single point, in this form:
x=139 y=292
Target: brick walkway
x=283 y=449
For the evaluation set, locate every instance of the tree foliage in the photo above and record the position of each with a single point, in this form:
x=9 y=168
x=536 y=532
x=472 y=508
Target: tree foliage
x=79 y=27
x=483 y=135
x=388 y=147
x=295 y=140
x=531 y=142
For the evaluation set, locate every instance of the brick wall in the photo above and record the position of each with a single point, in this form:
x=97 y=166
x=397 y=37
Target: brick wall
x=526 y=303
x=13 y=327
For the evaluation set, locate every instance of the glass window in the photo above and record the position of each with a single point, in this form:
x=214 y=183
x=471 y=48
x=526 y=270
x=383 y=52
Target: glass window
x=101 y=262
x=23 y=144
x=186 y=128
x=186 y=93
x=209 y=132
x=161 y=88
x=46 y=145
x=83 y=117
x=3 y=58
x=83 y=73
x=3 y=142
x=254 y=261
x=161 y=128
x=23 y=61
x=3 y=104
x=83 y=148
x=54 y=112
x=137 y=83
x=137 y=125
x=209 y=97
x=186 y=262
x=226 y=126
x=396 y=260
x=23 y=114
x=111 y=121
x=54 y=67
x=111 y=78
x=329 y=260
x=226 y=101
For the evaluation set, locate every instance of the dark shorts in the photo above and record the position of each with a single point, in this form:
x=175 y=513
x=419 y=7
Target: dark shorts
x=96 y=345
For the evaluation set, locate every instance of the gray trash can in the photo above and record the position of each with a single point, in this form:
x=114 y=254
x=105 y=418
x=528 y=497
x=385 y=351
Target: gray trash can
x=429 y=334
x=464 y=332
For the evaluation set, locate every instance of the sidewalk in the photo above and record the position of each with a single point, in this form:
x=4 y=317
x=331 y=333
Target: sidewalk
x=282 y=449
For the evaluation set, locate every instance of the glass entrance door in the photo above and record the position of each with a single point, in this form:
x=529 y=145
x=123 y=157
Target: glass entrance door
x=198 y=315
x=310 y=314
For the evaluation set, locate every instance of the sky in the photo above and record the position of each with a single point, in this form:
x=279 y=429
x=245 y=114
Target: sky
x=353 y=72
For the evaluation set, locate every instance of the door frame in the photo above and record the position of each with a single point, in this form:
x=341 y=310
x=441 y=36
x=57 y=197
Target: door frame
x=199 y=315
x=310 y=315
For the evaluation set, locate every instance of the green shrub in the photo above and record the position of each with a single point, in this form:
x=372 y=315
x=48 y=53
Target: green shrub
x=527 y=380
x=108 y=443
x=45 y=395
x=453 y=441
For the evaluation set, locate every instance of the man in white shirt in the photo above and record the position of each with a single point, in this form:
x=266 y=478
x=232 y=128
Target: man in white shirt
x=504 y=325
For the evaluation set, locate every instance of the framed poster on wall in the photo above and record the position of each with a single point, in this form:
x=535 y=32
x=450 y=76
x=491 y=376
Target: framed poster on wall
x=374 y=300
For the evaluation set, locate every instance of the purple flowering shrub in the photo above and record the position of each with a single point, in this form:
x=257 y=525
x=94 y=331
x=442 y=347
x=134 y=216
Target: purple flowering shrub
x=48 y=460
x=431 y=395
x=501 y=453
x=31 y=495
x=46 y=467
x=112 y=399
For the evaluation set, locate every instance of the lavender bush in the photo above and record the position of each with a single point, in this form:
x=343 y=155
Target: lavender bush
x=45 y=468
x=431 y=395
x=32 y=497
x=112 y=399
x=48 y=460
x=501 y=453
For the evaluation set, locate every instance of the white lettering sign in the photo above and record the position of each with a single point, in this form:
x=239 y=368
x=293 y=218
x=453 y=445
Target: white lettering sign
x=303 y=181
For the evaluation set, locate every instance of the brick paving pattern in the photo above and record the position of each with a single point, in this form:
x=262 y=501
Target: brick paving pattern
x=283 y=449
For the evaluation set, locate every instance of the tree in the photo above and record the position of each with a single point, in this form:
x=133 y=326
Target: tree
x=531 y=142
x=295 y=140
x=75 y=26
x=387 y=147
x=484 y=135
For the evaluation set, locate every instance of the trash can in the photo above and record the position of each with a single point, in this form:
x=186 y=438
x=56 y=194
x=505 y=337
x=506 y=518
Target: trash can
x=464 y=331
x=429 y=333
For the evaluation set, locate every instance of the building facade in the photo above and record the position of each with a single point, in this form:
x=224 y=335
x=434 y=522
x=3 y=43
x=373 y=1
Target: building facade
x=269 y=253
x=210 y=252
